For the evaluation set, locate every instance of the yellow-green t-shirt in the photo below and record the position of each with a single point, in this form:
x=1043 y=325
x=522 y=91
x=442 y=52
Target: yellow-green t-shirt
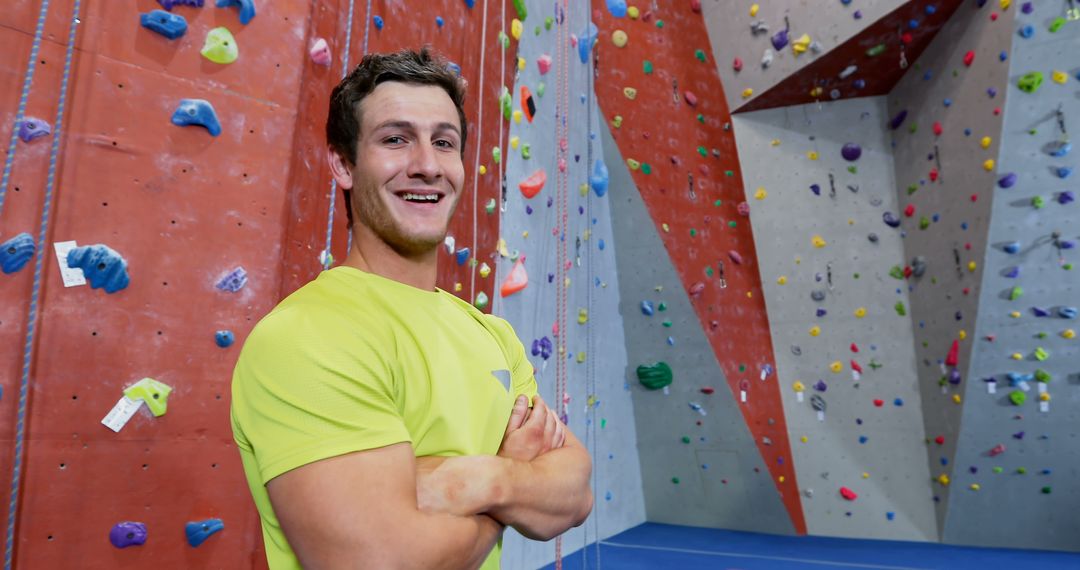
x=353 y=361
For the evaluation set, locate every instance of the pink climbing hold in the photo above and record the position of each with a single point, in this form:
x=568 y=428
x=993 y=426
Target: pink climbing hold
x=953 y=358
x=997 y=450
x=695 y=6
x=691 y=99
x=737 y=64
x=968 y=58
x=696 y=289
x=543 y=63
x=848 y=494
x=743 y=209
x=735 y=257
x=320 y=53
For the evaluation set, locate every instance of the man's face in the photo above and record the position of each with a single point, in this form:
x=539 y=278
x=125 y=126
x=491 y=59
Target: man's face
x=408 y=174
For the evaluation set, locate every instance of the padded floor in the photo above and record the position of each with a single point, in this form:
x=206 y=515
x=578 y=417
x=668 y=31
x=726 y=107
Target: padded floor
x=652 y=546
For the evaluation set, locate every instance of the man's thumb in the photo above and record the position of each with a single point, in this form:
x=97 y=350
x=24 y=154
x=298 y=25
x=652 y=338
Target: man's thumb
x=517 y=416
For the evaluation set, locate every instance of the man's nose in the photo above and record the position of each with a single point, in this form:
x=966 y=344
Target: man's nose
x=424 y=163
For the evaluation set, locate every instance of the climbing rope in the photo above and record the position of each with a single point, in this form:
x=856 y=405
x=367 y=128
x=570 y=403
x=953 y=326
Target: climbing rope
x=561 y=137
x=592 y=437
x=476 y=163
x=28 y=80
x=326 y=260
x=24 y=383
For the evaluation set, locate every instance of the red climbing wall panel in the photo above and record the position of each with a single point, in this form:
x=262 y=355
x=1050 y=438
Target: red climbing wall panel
x=879 y=72
x=183 y=209
x=660 y=129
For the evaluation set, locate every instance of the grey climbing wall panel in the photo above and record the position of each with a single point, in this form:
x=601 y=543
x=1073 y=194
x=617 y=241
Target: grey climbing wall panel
x=722 y=480
x=598 y=380
x=946 y=227
x=870 y=437
x=1031 y=484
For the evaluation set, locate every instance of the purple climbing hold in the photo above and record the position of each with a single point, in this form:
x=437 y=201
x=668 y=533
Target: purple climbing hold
x=898 y=120
x=954 y=376
x=851 y=152
x=780 y=39
x=1027 y=8
x=815 y=189
x=1007 y=181
x=542 y=347
x=820 y=386
x=890 y=219
x=1013 y=272
x=234 y=281
x=528 y=209
x=1066 y=197
x=1040 y=312
x=31 y=128
x=128 y=533
x=168 y=4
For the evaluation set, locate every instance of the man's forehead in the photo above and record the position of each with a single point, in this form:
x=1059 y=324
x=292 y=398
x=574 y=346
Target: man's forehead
x=395 y=103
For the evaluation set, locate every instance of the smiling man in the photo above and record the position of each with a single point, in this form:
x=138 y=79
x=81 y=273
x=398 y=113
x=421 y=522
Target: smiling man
x=383 y=422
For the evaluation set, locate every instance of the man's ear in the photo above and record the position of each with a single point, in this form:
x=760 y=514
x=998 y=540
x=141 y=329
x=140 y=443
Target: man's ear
x=340 y=170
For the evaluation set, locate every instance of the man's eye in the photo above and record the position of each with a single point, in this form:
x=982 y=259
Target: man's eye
x=393 y=140
x=445 y=143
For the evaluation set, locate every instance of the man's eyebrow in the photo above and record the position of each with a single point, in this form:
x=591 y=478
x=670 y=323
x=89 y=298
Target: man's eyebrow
x=408 y=125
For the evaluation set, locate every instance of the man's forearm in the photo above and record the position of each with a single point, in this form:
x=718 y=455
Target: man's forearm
x=450 y=541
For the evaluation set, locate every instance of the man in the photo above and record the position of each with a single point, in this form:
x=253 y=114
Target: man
x=384 y=423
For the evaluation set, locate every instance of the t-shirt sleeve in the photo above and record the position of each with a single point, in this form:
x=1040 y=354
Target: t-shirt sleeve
x=304 y=390
x=521 y=369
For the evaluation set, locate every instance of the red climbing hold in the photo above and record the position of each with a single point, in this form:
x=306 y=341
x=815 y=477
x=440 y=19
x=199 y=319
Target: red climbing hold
x=848 y=494
x=517 y=280
x=532 y=185
x=695 y=6
x=908 y=271
x=968 y=58
x=855 y=366
x=933 y=175
x=879 y=403
x=691 y=99
x=906 y=38
x=974 y=197
x=708 y=390
x=937 y=128
x=737 y=64
x=953 y=358
x=910 y=210
x=854 y=347
x=997 y=450
x=940 y=440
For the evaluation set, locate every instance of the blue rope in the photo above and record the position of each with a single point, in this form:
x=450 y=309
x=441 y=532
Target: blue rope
x=28 y=80
x=333 y=183
x=20 y=423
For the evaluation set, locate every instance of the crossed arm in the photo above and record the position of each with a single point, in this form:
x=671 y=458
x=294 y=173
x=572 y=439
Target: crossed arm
x=383 y=508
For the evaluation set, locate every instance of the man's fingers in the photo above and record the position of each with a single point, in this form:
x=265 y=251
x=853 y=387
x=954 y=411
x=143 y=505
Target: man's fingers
x=517 y=416
x=539 y=412
x=560 y=434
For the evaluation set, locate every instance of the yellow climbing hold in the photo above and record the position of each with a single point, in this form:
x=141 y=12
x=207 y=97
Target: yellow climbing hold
x=815 y=330
x=220 y=46
x=988 y=164
x=782 y=280
x=517 y=116
x=804 y=439
x=943 y=479
x=618 y=37
x=963 y=334
x=860 y=312
x=781 y=479
x=1005 y=4
x=457 y=287
x=583 y=189
x=753 y=10
x=799 y=386
x=633 y=164
x=1015 y=314
x=816 y=92
x=582 y=316
x=633 y=12
x=971 y=266
x=485 y=270
x=521 y=64
x=617 y=121
x=760 y=194
x=975 y=487
x=837 y=367
x=956 y=398
x=665 y=228
x=865 y=475
x=747 y=93
x=812 y=155
x=801 y=44
x=516 y=27
x=581 y=357
x=525 y=234
x=514 y=140
x=1017 y=356
x=818 y=242
x=1068 y=333
x=985 y=142
x=1045 y=397
x=629 y=92
x=851 y=221
x=1059 y=77
x=483 y=169
x=775 y=142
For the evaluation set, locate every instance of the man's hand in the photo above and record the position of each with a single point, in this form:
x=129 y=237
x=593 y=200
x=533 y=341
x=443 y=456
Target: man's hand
x=531 y=433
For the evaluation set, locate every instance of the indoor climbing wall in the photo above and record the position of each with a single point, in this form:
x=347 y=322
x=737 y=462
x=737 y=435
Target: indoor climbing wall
x=187 y=169
x=944 y=121
x=845 y=361
x=1022 y=391
x=544 y=181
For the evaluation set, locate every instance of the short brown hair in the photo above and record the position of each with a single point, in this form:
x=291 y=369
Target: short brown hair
x=407 y=66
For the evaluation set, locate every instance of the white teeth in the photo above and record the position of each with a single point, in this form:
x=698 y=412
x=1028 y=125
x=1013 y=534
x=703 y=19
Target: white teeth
x=420 y=197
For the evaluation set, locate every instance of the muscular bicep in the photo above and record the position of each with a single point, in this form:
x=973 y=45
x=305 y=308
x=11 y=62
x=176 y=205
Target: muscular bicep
x=350 y=511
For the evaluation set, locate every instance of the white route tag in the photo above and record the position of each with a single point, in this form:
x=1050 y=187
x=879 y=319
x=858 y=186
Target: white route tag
x=121 y=413
x=821 y=416
x=73 y=277
x=742 y=396
x=799 y=397
x=991 y=387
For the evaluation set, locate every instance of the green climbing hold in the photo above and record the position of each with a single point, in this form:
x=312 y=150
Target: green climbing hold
x=1017 y=397
x=913 y=128
x=496 y=154
x=540 y=88
x=1046 y=490
x=504 y=40
x=702 y=151
x=900 y=308
x=853 y=170
x=659 y=23
x=1016 y=293
x=717 y=203
x=924 y=223
x=1043 y=376
x=1057 y=24
x=481 y=300
x=700 y=118
x=667 y=324
x=1021 y=470
x=1041 y=354
x=675 y=480
x=912 y=188
x=536 y=31
x=603 y=423
x=700 y=55
x=526 y=151
x=662 y=306
x=729 y=173
x=693 y=232
x=1038 y=202
x=506 y=102
x=896 y=272
x=686 y=439
x=490 y=206
x=548 y=22
x=708 y=271
x=522 y=11
x=1030 y=82
x=732 y=224
x=656 y=376
x=876 y=50
x=645 y=168
x=998 y=470
x=646 y=66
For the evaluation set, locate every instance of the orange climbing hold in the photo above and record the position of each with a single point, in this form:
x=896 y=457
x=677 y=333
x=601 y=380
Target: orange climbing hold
x=527 y=103
x=532 y=185
x=517 y=280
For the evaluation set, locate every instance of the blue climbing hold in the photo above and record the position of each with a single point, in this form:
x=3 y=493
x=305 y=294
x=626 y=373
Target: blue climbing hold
x=898 y=402
x=617 y=8
x=930 y=9
x=1058 y=149
x=470 y=3
x=1067 y=312
x=1063 y=171
x=31 y=128
x=599 y=178
x=169 y=25
x=197 y=112
x=601 y=245
x=439 y=22
x=234 y=281
x=15 y=252
x=1007 y=181
x=101 y=265
x=1011 y=247
x=890 y=219
x=947 y=102
x=378 y=21
x=586 y=39
x=461 y=255
x=224 y=339
x=647 y=308
x=1027 y=31
x=1040 y=312
x=247 y=8
x=859 y=83
x=168 y=4
x=198 y=532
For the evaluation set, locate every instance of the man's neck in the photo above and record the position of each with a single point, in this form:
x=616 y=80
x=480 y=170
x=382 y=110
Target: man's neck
x=370 y=254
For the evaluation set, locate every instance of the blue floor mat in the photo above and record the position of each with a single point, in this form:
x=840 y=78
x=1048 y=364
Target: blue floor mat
x=651 y=546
